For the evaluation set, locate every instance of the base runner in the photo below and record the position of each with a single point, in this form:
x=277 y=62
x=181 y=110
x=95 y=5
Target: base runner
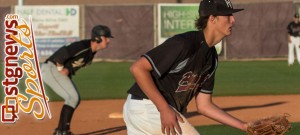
x=62 y=65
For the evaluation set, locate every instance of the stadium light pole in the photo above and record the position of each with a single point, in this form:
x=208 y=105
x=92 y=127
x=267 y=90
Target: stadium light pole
x=179 y=1
x=20 y=2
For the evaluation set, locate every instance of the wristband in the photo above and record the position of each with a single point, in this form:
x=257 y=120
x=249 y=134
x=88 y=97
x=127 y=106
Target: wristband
x=60 y=68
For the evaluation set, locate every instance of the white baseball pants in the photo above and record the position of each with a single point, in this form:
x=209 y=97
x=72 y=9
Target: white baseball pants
x=143 y=118
x=294 y=45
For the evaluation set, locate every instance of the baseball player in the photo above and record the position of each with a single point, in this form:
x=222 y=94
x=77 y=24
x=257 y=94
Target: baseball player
x=294 y=39
x=62 y=65
x=170 y=75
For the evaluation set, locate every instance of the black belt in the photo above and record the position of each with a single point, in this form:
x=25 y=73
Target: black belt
x=49 y=61
x=136 y=97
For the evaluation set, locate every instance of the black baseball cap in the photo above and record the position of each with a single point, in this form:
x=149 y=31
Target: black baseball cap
x=216 y=7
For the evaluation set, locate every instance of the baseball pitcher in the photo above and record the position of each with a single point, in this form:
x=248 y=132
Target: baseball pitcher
x=169 y=76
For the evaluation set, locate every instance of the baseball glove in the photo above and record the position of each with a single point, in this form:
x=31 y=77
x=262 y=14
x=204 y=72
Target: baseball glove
x=274 y=125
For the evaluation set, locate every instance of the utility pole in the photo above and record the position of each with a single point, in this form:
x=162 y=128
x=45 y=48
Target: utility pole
x=179 y=1
x=20 y=2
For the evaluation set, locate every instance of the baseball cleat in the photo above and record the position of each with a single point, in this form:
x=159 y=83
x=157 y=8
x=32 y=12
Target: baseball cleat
x=60 y=132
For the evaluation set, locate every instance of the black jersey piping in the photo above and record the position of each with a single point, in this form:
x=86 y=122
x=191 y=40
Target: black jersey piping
x=209 y=91
x=81 y=52
x=152 y=63
x=214 y=69
x=206 y=91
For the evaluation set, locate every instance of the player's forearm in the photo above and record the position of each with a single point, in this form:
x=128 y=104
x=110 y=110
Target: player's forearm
x=206 y=107
x=141 y=72
x=214 y=112
x=148 y=87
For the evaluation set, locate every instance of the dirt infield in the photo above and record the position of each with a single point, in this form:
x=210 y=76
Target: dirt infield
x=91 y=118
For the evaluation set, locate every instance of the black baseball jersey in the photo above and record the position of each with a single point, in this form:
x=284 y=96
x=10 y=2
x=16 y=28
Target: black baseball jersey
x=294 y=29
x=73 y=56
x=182 y=66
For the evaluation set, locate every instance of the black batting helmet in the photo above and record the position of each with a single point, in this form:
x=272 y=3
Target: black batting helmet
x=100 y=30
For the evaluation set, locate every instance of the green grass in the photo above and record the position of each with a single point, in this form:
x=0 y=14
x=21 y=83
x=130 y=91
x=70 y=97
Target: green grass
x=102 y=80
x=226 y=130
x=110 y=80
x=257 y=78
